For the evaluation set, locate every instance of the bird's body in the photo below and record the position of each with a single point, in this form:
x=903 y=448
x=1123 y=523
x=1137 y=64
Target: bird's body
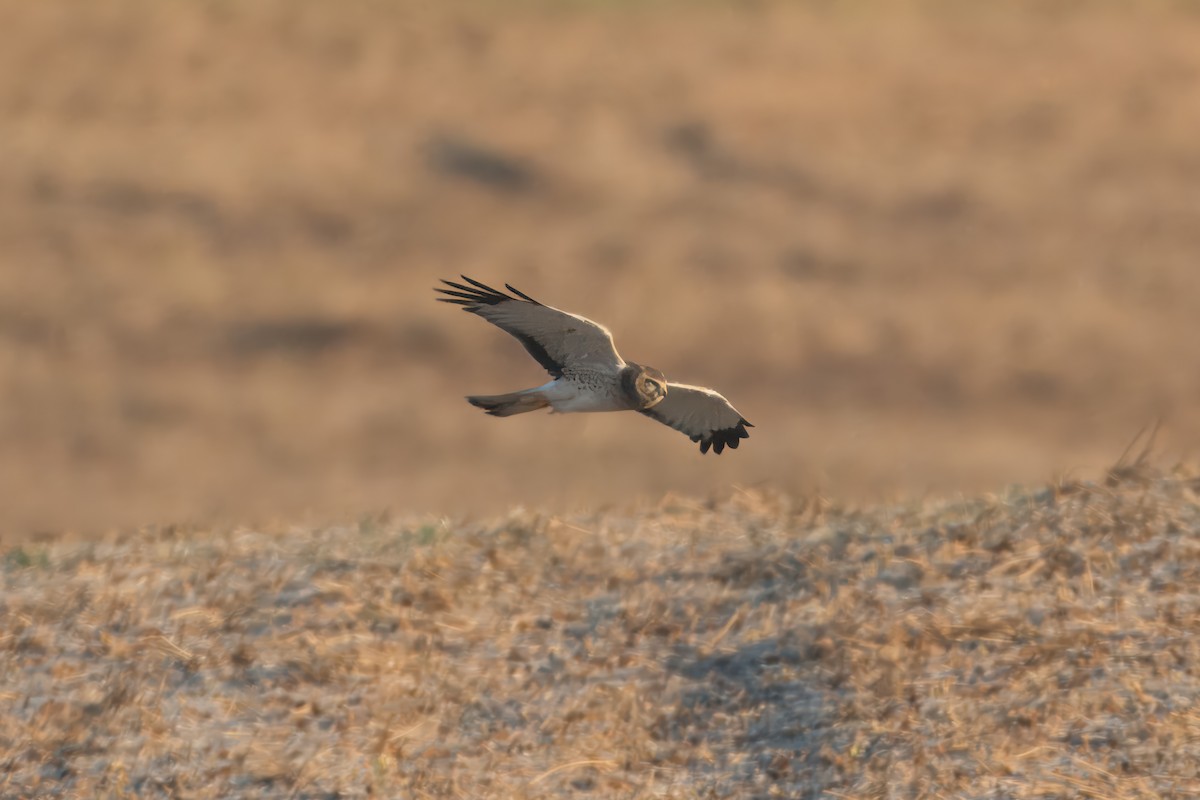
x=588 y=374
x=576 y=392
x=586 y=390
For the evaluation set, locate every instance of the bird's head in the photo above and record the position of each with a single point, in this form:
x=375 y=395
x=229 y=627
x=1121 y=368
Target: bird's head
x=649 y=385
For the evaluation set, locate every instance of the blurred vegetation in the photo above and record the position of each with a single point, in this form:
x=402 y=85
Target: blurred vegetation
x=925 y=247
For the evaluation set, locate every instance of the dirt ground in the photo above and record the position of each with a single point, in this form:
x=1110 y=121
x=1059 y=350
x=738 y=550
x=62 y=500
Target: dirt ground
x=925 y=248
x=1034 y=645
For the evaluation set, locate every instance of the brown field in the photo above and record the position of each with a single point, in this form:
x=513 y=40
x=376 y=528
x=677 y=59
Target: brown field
x=929 y=249
x=1037 y=644
x=926 y=248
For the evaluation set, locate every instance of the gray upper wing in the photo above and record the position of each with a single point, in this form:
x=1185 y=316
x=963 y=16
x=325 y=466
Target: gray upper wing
x=703 y=415
x=556 y=339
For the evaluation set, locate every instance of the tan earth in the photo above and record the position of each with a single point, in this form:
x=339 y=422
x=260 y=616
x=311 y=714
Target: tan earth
x=1036 y=645
x=254 y=544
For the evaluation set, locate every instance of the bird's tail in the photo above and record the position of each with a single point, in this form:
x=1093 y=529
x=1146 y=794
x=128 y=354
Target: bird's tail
x=505 y=405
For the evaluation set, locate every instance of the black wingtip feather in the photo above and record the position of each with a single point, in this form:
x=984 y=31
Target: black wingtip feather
x=479 y=294
x=461 y=298
x=521 y=294
x=726 y=437
x=476 y=295
x=479 y=285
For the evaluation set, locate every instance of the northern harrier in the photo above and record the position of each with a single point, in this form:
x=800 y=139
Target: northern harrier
x=588 y=374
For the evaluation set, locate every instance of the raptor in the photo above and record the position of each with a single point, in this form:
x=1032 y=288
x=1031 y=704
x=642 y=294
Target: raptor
x=587 y=372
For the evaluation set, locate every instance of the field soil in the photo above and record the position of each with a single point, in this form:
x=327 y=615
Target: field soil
x=1037 y=643
x=925 y=248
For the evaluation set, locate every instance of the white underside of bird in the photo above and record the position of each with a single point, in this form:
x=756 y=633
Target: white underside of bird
x=562 y=395
x=566 y=397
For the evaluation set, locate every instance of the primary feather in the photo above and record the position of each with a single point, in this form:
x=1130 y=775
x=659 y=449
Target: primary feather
x=556 y=339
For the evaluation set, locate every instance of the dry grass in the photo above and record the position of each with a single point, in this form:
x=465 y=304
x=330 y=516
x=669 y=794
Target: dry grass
x=1035 y=644
x=924 y=246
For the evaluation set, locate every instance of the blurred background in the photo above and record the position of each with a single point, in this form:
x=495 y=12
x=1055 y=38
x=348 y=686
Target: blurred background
x=924 y=247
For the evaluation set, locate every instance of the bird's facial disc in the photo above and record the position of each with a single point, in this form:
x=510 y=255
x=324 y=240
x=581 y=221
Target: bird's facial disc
x=651 y=387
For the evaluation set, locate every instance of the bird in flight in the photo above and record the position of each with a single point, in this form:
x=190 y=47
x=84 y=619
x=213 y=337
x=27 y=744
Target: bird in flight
x=587 y=372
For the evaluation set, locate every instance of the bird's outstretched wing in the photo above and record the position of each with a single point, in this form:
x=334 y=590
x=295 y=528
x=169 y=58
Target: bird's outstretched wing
x=555 y=338
x=703 y=415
